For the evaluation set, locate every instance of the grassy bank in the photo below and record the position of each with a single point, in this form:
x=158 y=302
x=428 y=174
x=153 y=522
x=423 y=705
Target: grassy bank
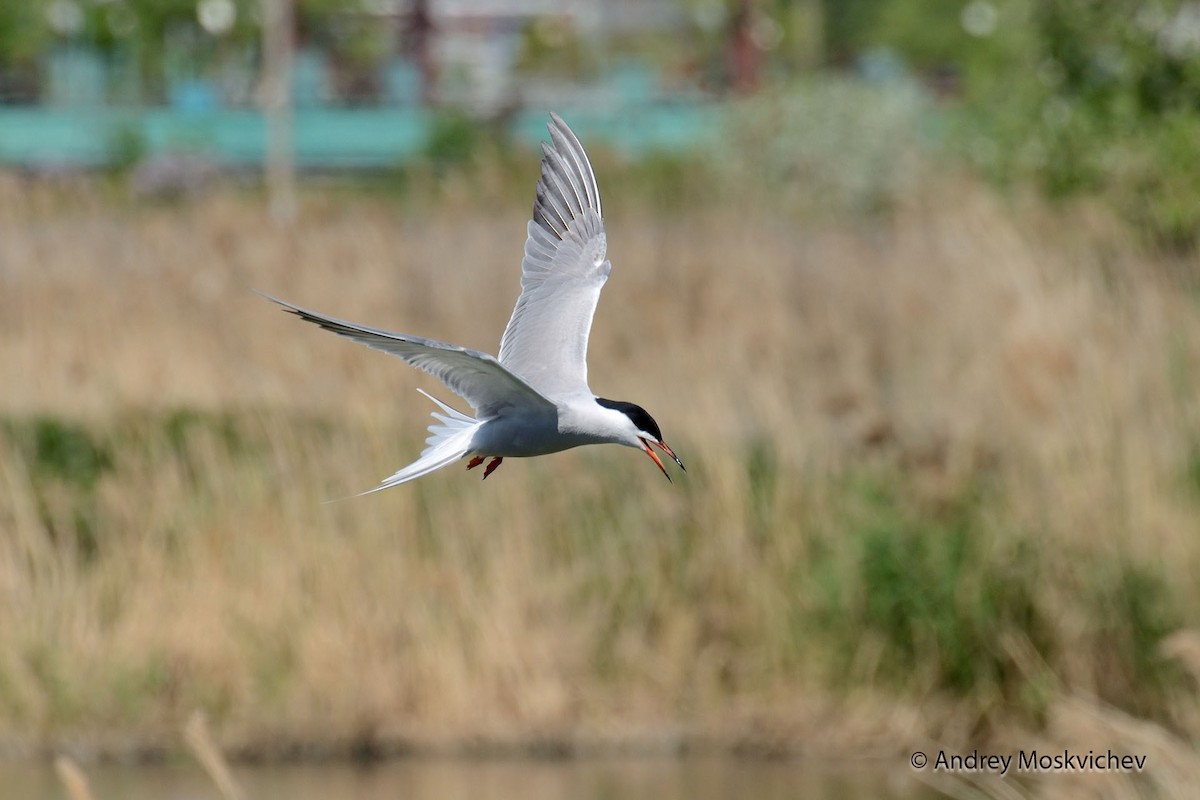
x=942 y=478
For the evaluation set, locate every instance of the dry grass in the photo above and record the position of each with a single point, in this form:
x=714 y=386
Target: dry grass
x=1033 y=371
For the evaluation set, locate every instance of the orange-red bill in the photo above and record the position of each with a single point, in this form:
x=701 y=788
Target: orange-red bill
x=657 y=460
x=663 y=446
x=646 y=445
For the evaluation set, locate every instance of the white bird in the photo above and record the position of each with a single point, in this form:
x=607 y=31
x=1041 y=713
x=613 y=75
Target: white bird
x=534 y=398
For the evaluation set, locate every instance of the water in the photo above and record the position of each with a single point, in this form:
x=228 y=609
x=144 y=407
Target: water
x=501 y=779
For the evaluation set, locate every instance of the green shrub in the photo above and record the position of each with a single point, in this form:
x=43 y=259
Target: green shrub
x=940 y=592
x=1096 y=98
x=949 y=602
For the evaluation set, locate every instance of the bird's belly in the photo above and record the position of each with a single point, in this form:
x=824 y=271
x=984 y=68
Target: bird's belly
x=522 y=438
x=515 y=438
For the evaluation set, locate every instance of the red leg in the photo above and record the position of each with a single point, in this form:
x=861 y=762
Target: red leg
x=492 y=466
x=474 y=462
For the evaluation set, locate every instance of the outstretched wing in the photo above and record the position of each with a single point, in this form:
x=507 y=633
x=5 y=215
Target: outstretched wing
x=562 y=273
x=476 y=377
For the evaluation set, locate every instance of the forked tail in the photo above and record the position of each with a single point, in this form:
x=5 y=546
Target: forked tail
x=447 y=443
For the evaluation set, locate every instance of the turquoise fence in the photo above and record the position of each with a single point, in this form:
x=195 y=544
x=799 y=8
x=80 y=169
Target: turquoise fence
x=89 y=115
x=38 y=137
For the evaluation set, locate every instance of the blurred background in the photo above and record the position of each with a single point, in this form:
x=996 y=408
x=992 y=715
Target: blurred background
x=911 y=286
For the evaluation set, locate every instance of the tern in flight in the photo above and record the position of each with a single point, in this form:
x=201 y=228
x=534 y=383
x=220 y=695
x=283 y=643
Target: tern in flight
x=534 y=398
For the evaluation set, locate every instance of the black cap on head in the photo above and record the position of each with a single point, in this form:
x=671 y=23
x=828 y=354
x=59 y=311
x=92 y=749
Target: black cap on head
x=637 y=415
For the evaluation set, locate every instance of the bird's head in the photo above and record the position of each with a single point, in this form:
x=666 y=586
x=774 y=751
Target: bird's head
x=638 y=429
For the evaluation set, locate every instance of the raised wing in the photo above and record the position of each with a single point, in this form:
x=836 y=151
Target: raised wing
x=562 y=273
x=476 y=377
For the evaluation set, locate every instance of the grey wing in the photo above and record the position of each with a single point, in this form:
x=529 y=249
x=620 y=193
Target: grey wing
x=476 y=377
x=561 y=274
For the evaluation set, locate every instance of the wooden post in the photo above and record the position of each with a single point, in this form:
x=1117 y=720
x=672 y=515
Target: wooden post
x=277 y=35
x=745 y=59
x=420 y=36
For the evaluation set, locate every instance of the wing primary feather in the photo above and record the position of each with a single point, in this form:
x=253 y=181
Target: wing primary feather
x=579 y=156
x=545 y=191
x=545 y=213
x=560 y=195
x=564 y=175
x=570 y=166
x=542 y=213
x=554 y=197
x=558 y=200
